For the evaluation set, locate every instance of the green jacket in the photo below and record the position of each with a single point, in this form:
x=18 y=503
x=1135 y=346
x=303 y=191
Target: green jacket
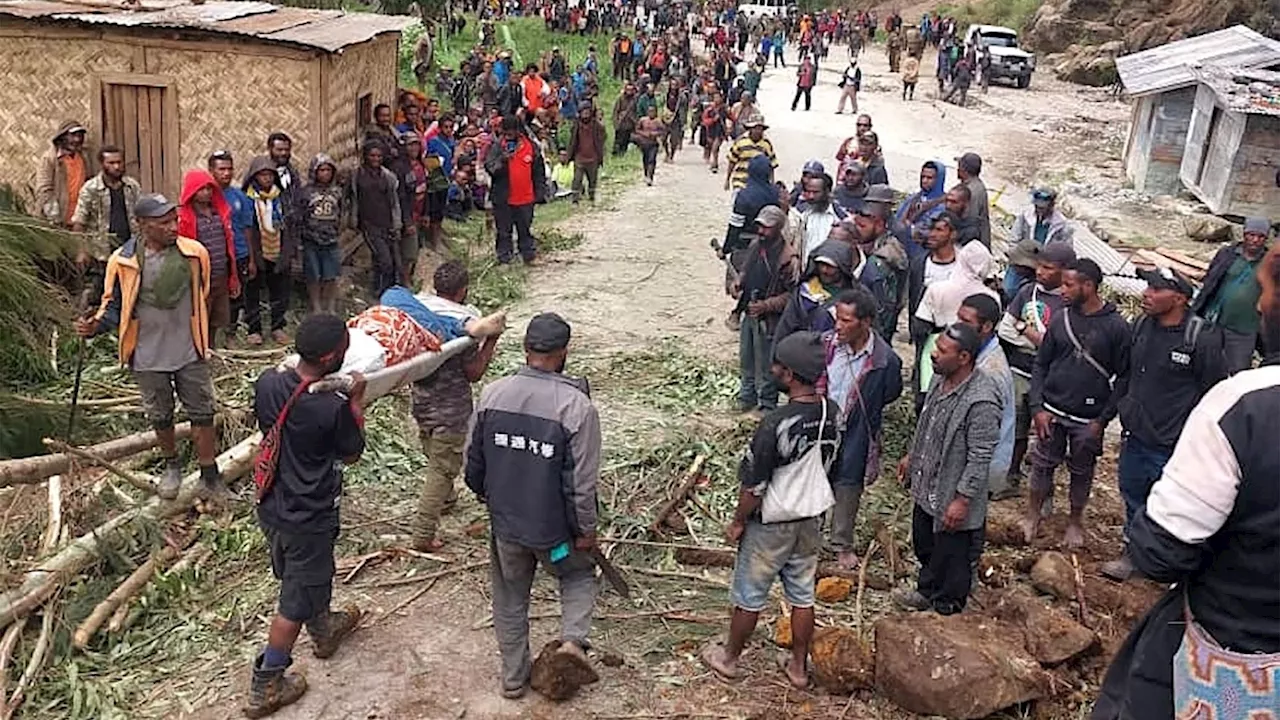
x=93 y=213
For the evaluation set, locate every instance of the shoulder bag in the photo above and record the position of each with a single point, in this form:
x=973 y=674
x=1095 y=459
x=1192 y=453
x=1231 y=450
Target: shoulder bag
x=267 y=460
x=1066 y=322
x=801 y=489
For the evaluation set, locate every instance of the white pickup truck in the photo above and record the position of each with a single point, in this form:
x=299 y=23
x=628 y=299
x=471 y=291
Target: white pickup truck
x=1007 y=59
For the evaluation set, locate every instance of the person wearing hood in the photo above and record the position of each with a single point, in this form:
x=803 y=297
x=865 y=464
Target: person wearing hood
x=939 y=304
x=758 y=193
x=375 y=213
x=272 y=252
x=321 y=203
x=1041 y=223
x=1073 y=394
x=829 y=270
x=205 y=216
x=64 y=169
x=850 y=85
x=851 y=193
x=863 y=376
x=914 y=219
x=883 y=251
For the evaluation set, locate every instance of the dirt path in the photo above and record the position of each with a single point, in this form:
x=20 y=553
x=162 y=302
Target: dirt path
x=644 y=273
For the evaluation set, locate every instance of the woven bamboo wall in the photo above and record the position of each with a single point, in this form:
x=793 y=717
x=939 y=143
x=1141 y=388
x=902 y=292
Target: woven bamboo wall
x=370 y=67
x=54 y=87
x=233 y=103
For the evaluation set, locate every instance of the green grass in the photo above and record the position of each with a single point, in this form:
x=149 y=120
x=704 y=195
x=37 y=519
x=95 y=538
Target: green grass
x=1008 y=13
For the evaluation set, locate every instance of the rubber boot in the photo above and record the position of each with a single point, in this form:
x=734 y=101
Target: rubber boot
x=171 y=481
x=272 y=689
x=329 y=630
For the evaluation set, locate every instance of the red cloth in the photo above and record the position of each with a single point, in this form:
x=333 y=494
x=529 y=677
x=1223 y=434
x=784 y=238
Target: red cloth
x=395 y=331
x=520 y=173
x=192 y=181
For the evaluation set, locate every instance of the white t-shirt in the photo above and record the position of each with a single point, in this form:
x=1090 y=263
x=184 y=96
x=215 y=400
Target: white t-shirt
x=936 y=272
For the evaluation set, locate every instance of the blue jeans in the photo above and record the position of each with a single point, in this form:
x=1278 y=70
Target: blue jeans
x=756 y=386
x=787 y=551
x=1139 y=467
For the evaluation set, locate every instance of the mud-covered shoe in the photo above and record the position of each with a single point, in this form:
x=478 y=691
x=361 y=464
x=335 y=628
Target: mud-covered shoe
x=1120 y=569
x=329 y=630
x=272 y=689
x=171 y=480
x=911 y=599
x=212 y=487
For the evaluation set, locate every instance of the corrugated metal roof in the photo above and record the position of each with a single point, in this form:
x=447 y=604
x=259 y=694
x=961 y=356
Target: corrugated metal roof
x=1170 y=66
x=1255 y=92
x=328 y=30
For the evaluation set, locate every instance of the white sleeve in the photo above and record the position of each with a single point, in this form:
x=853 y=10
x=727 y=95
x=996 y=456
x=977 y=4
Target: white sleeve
x=1197 y=490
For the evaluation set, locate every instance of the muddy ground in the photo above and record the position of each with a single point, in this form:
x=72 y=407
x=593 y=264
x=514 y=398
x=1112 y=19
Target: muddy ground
x=644 y=293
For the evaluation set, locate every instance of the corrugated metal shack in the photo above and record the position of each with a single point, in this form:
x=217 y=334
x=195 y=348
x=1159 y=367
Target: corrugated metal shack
x=1232 y=162
x=1162 y=84
x=170 y=81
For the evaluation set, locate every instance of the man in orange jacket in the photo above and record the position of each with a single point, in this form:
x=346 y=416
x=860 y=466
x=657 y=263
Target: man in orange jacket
x=156 y=294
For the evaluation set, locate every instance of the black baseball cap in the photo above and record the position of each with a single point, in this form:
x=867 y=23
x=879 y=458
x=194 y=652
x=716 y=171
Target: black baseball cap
x=153 y=206
x=547 y=332
x=1163 y=278
x=804 y=354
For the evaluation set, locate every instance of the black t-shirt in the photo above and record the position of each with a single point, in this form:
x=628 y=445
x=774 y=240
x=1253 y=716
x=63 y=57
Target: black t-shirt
x=118 y=216
x=319 y=430
x=785 y=435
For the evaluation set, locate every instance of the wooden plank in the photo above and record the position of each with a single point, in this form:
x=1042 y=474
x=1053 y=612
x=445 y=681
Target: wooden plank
x=1156 y=259
x=170 y=141
x=1183 y=258
x=97 y=112
x=137 y=79
x=156 y=141
x=319 y=111
x=146 y=164
x=133 y=148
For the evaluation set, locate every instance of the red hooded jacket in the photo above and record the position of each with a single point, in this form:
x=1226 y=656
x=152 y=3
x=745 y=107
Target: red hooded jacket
x=192 y=181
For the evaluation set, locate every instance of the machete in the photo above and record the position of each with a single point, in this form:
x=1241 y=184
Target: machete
x=610 y=573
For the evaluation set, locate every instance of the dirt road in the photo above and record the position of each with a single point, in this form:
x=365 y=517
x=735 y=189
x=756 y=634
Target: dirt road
x=644 y=273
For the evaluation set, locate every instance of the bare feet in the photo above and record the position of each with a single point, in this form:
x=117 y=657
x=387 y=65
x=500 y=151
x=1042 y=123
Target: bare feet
x=797 y=674
x=1030 y=526
x=847 y=560
x=1073 y=538
x=717 y=658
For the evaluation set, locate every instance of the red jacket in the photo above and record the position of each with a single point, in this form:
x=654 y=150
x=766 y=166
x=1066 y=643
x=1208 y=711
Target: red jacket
x=192 y=181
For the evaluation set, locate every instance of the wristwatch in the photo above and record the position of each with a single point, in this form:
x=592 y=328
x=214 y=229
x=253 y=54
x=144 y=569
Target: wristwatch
x=1020 y=326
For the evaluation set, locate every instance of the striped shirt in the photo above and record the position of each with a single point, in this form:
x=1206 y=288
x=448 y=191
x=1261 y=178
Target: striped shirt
x=740 y=154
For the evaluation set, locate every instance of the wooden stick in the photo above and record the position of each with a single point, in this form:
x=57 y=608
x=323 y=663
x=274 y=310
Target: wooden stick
x=191 y=558
x=53 y=529
x=346 y=579
x=138 y=482
x=118 y=618
x=680 y=615
x=676 y=500
x=96 y=402
x=654 y=543
x=6 y=652
x=131 y=585
x=429 y=576
x=862 y=586
x=33 y=665
x=405 y=603
x=672 y=574
x=1080 y=603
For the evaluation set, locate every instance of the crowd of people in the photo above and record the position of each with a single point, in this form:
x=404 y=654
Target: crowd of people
x=820 y=272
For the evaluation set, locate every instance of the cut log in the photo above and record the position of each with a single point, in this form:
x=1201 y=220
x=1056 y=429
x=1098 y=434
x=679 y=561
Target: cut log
x=682 y=493
x=31 y=470
x=132 y=584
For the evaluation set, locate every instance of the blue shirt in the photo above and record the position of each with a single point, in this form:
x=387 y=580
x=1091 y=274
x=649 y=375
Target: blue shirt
x=502 y=72
x=992 y=361
x=243 y=218
x=442 y=148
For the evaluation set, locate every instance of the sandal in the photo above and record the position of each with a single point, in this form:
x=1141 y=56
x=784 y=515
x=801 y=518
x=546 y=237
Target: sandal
x=713 y=657
x=783 y=658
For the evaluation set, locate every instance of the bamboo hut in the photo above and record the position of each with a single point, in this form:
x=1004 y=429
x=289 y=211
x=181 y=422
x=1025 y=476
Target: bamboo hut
x=170 y=81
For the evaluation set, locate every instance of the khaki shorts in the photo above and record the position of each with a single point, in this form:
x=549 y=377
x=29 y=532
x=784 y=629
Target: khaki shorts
x=219 y=304
x=193 y=385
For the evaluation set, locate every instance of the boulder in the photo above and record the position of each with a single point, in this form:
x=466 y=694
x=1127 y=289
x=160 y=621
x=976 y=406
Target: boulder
x=834 y=589
x=1052 y=636
x=842 y=662
x=1053 y=574
x=957 y=666
x=1207 y=228
x=558 y=675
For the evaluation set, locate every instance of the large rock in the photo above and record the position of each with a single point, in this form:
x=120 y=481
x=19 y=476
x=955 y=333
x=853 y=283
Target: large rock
x=1053 y=574
x=1088 y=64
x=1207 y=228
x=1052 y=636
x=833 y=589
x=558 y=675
x=842 y=662
x=958 y=666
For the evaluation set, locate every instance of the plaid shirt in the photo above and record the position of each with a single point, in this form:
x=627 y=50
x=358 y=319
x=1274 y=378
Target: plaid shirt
x=93 y=212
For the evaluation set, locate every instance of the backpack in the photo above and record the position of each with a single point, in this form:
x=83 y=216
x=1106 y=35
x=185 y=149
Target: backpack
x=1190 y=334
